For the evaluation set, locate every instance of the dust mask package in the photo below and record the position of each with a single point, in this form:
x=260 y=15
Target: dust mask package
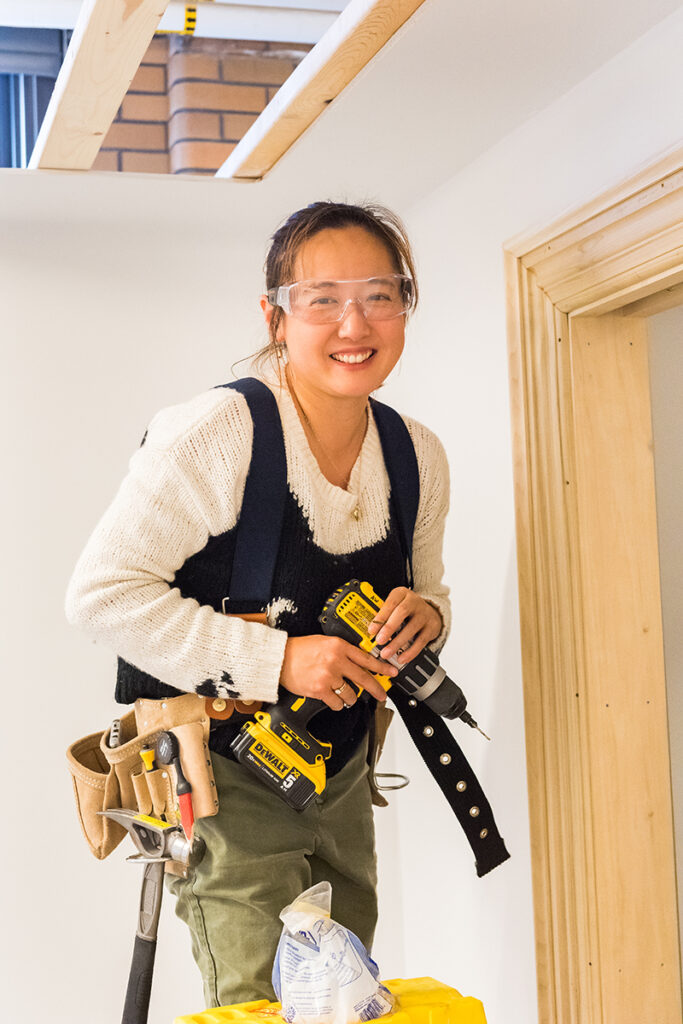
x=322 y=972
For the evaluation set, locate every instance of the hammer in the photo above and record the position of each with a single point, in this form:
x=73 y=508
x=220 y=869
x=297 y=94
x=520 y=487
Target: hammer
x=157 y=842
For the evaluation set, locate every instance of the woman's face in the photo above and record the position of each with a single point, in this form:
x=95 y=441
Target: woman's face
x=319 y=354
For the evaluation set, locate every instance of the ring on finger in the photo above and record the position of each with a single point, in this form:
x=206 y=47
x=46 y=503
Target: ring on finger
x=338 y=689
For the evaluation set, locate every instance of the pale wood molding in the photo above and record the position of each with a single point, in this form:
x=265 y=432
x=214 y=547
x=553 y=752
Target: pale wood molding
x=624 y=688
x=599 y=785
x=548 y=591
x=616 y=250
x=669 y=298
x=110 y=39
x=358 y=34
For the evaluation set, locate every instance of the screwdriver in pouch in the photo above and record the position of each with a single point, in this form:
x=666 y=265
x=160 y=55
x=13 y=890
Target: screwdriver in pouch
x=168 y=753
x=148 y=757
x=115 y=733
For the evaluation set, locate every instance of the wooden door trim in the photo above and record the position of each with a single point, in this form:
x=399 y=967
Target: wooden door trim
x=614 y=256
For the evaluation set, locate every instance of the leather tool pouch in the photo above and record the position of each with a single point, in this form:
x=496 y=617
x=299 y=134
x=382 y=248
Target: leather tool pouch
x=107 y=777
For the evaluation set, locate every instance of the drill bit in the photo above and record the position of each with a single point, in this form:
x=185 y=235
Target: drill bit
x=466 y=717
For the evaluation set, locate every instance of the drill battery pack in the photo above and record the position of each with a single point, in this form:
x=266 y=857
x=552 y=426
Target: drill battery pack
x=276 y=743
x=278 y=748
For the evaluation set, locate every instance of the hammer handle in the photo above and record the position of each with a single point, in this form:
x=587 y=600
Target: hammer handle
x=136 y=1006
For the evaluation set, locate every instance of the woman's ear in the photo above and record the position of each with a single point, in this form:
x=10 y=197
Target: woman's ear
x=268 y=310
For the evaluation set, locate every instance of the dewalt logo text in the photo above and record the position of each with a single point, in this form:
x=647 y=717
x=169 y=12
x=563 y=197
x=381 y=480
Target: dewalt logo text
x=268 y=757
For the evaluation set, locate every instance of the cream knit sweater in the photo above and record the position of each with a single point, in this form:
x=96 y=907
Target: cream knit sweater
x=186 y=484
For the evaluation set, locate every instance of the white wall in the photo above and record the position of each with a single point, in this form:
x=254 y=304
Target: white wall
x=104 y=326
x=666 y=384
x=119 y=296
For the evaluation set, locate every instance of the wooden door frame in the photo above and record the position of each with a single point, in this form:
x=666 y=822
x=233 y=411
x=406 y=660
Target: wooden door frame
x=592 y=649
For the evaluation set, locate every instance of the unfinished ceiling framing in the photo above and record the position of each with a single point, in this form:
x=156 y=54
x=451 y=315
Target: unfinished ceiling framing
x=111 y=37
x=293 y=21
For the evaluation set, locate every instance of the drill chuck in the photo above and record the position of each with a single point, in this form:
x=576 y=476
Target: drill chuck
x=424 y=679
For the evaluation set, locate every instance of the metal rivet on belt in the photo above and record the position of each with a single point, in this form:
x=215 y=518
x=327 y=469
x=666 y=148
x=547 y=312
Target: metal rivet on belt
x=427 y=731
x=445 y=759
x=483 y=834
x=474 y=812
x=461 y=787
x=412 y=703
x=219 y=704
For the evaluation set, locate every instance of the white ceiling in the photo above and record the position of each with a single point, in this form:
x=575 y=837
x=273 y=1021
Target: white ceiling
x=459 y=77
x=449 y=85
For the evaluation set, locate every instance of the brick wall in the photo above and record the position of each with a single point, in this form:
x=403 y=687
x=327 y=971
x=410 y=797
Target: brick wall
x=191 y=102
x=138 y=137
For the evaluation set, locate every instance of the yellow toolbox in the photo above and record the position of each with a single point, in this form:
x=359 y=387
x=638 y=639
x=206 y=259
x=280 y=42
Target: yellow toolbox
x=420 y=1001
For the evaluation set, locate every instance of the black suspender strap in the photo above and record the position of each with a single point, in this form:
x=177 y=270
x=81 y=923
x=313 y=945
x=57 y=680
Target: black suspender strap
x=401 y=462
x=263 y=505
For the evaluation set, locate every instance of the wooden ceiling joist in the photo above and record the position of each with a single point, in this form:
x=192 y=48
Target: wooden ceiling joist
x=109 y=41
x=358 y=34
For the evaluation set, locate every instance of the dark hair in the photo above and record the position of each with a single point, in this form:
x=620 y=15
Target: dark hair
x=304 y=224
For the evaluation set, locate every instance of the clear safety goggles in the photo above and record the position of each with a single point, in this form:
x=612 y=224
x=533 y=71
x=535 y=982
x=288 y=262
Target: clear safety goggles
x=327 y=302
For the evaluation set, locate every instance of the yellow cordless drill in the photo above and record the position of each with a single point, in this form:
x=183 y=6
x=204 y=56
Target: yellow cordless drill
x=348 y=613
x=276 y=743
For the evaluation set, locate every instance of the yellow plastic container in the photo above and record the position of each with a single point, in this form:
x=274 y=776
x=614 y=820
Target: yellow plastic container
x=420 y=1001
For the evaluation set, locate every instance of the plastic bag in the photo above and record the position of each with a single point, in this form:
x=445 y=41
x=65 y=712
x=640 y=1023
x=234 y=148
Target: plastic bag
x=322 y=972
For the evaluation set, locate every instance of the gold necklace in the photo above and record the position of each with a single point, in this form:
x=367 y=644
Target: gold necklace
x=355 y=512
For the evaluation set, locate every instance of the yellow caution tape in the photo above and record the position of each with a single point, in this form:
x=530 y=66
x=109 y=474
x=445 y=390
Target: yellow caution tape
x=190 y=21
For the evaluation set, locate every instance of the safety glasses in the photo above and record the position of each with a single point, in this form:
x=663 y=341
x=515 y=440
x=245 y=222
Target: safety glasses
x=327 y=302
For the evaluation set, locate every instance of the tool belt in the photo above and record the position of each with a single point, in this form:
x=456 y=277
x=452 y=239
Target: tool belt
x=107 y=777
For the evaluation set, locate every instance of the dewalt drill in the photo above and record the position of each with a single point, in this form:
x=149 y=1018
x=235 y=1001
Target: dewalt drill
x=276 y=743
x=349 y=612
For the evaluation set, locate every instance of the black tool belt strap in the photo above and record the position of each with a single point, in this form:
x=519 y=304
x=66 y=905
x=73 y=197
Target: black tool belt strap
x=455 y=778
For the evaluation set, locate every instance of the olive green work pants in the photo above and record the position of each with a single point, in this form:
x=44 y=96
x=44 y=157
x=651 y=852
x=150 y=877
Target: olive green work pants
x=260 y=854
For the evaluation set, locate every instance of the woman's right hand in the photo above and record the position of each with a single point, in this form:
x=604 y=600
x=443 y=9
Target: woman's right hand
x=316 y=666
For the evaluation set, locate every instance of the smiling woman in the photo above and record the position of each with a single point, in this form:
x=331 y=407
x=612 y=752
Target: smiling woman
x=342 y=337
x=152 y=581
x=340 y=334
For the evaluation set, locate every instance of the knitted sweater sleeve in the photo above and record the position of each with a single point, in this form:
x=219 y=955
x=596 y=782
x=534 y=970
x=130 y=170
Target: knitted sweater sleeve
x=184 y=484
x=430 y=524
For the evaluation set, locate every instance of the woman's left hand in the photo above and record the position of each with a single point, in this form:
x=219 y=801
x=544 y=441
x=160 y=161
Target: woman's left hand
x=414 y=621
